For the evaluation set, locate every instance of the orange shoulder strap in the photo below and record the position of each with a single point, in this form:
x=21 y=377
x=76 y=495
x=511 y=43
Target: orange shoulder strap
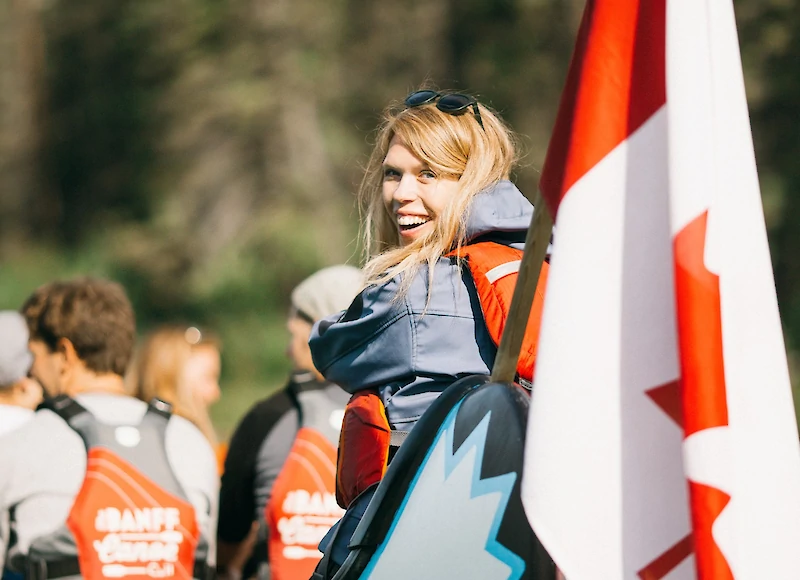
x=494 y=269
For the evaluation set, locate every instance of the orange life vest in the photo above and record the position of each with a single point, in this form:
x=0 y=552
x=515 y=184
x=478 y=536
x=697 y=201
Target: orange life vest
x=363 y=446
x=494 y=268
x=130 y=518
x=302 y=506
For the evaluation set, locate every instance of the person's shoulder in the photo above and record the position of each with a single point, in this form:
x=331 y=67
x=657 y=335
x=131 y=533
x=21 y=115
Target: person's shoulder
x=261 y=418
x=370 y=308
x=113 y=408
x=43 y=420
x=269 y=409
x=15 y=412
x=192 y=458
x=279 y=401
x=445 y=278
x=180 y=428
x=384 y=291
x=45 y=433
x=13 y=417
x=189 y=451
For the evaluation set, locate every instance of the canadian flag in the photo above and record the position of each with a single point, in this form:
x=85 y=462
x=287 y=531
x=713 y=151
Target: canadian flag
x=662 y=441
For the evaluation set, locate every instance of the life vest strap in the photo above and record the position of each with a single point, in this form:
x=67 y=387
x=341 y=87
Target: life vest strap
x=494 y=269
x=80 y=419
x=65 y=407
x=396 y=438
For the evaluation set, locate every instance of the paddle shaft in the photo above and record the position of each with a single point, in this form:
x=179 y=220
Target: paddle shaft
x=536 y=242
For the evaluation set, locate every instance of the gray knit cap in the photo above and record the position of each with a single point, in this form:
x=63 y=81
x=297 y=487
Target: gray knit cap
x=327 y=291
x=15 y=358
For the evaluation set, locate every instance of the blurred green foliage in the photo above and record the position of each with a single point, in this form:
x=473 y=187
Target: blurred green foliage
x=205 y=153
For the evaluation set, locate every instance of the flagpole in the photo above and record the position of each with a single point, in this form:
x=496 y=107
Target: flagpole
x=536 y=242
x=505 y=364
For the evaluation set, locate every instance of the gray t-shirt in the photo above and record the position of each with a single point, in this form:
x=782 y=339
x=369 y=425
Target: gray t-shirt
x=43 y=463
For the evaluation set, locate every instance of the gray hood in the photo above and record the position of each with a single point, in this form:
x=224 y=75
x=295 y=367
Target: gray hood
x=500 y=208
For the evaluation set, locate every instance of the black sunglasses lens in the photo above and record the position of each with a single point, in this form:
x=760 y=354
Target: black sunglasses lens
x=421 y=98
x=454 y=103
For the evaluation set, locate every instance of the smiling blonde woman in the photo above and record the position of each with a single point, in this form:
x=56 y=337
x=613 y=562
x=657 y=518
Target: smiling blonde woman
x=436 y=183
x=437 y=180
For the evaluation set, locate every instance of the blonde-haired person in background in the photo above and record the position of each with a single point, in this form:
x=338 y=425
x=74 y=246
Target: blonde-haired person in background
x=437 y=180
x=181 y=366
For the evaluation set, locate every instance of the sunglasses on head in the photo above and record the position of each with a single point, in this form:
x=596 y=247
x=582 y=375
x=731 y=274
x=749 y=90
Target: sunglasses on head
x=452 y=104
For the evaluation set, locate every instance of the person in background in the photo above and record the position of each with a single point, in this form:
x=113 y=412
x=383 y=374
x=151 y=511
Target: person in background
x=81 y=335
x=181 y=366
x=19 y=394
x=266 y=435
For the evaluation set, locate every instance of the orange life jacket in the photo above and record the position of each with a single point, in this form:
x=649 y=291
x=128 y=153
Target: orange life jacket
x=494 y=268
x=363 y=446
x=130 y=518
x=302 y=506
x=366 y=435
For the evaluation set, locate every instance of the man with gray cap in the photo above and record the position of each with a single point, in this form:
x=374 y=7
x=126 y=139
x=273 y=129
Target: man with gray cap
x=259 y=479
x=19 y=394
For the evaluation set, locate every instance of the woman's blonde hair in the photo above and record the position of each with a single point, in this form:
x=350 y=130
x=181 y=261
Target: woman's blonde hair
x=158 y=370
x=453 y=146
